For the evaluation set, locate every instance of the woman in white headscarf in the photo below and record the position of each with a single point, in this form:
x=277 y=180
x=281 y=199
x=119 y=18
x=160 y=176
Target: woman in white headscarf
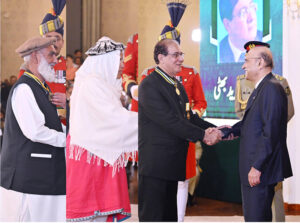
x=103 y=135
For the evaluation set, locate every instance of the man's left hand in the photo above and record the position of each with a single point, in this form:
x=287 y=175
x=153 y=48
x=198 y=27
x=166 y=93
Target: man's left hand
x=59 y=99
x=254 y=177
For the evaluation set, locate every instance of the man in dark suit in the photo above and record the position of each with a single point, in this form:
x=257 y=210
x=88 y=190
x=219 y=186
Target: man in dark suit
x=166 y=125
x=240 y=21
x=264 y=160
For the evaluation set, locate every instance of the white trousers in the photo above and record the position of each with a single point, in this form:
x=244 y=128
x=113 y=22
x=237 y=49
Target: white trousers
x=16 y=206
x=182 y=196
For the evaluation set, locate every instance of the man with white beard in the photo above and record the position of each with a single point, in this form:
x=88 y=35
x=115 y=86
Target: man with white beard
x=33 y=169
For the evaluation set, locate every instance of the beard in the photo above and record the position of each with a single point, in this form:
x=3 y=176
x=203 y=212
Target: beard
x=46 y=70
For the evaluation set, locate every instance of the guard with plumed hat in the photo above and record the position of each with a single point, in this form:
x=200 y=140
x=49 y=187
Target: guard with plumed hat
x=52 y=25
x=130 y=71
x=130 y=80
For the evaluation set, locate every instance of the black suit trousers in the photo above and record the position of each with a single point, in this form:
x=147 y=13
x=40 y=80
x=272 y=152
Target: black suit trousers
x=257 y=202
x=157 y=199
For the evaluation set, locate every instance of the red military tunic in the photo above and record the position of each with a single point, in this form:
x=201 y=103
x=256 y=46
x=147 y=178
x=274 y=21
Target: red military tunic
x=59 y=84
x=130 y=71
x=190 y=79
x=60 y=76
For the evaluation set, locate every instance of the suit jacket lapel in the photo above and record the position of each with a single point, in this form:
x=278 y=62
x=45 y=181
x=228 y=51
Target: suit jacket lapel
x=256 y=91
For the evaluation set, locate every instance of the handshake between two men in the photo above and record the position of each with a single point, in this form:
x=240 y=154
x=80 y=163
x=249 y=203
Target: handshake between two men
x=216 y=134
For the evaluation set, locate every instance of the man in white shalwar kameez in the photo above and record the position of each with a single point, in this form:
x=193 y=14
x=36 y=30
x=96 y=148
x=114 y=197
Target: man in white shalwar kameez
x=33 y=172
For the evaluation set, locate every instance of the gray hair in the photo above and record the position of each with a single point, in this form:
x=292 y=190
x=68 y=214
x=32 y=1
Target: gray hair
x=27 y=58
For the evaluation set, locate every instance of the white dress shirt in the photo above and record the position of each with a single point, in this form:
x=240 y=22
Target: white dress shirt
x=31 y=119
x=258 y=82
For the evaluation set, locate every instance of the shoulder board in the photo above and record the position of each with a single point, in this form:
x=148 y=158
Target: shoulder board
x=192 y=68
x=145 y=72
x=278 y=77
x=23 y=66
x=240 y=77
x=130 y=39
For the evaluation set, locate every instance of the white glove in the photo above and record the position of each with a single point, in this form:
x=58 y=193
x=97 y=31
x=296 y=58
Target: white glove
x=134 y=92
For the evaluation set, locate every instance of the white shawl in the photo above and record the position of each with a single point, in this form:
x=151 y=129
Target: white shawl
x=98 y=121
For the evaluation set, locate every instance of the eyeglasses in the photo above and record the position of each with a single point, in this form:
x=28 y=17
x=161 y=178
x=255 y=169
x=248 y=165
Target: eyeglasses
x=176 y=54
x=244 y=12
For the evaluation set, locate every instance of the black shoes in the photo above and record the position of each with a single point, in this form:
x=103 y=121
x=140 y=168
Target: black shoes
x=190 y=201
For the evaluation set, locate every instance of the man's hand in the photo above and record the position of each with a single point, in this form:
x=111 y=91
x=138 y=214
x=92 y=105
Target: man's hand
x=224 y=126
x=231 y=136
x=254 y=177
x=124 y=99
x=212 y=136
x=59 y=99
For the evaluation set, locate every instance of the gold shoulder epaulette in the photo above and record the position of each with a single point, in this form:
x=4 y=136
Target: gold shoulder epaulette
x=145 y=71
x=278 y=77
x=130 y=39
x=240 y=77
x=195 y=70
x=191 y=67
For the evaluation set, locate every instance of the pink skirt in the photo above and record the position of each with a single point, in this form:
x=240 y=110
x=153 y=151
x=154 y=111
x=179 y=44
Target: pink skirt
x=93 y=191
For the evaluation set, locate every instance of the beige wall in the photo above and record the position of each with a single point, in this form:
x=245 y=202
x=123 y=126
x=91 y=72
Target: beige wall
x=153 y=16
x=119 y=19
x=20 y=20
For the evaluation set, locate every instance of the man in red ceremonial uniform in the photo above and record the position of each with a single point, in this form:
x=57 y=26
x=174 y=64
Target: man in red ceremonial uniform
x=53 y=26
x=130 y=71
x=130 y=80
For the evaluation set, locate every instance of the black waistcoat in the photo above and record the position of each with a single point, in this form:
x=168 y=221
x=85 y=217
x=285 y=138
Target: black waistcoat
x=21 y=169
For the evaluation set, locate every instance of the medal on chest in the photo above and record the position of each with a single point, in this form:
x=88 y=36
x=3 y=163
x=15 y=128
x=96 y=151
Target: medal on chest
x=50 y=96
x=187 y=109
x=176 y=89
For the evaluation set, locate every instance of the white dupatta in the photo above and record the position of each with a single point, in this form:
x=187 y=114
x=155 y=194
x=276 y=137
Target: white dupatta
x=98 y=121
